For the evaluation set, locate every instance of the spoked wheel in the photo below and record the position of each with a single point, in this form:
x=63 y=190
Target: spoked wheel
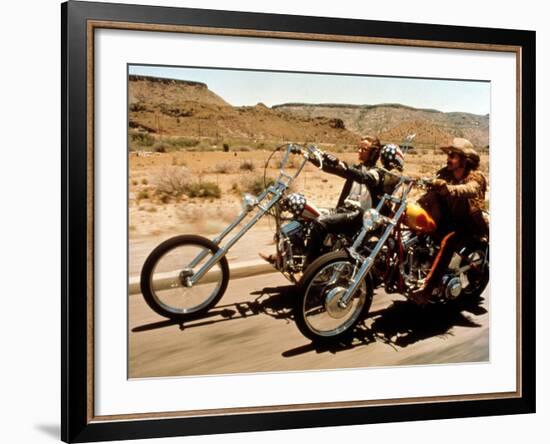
x=477 y=277
x=320 y=314
x=164 y=278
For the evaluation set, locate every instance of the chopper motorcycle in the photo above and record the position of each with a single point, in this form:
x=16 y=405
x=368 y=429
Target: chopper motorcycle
x=186 y=275
x=395 y=250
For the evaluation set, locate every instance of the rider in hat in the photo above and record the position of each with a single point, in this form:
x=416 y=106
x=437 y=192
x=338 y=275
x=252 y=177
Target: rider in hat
x=456 y=202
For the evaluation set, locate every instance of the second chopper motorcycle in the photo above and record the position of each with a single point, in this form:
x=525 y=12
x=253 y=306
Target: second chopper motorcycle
x=395 y=250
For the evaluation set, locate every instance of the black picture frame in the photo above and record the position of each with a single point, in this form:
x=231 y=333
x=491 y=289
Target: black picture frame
x=77 y=422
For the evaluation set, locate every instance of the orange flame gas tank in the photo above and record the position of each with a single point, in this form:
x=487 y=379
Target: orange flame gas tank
x=418 y=219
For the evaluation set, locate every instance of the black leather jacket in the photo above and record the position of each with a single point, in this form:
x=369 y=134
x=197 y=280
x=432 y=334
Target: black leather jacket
x=376 y=179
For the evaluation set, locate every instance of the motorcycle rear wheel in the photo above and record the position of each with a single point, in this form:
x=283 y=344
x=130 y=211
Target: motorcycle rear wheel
x=478 y=277
x=163 y=278
x=317 y=313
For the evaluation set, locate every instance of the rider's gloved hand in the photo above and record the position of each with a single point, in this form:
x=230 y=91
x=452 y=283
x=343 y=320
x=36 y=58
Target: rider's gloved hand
x=440 y=186
x=295 y=149
x=330 y=159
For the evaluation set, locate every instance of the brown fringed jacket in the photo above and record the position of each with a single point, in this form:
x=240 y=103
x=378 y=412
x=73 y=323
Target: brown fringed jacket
x=461 y=201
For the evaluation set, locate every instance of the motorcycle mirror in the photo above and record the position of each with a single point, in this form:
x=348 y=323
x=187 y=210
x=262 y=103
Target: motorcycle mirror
x=407 y=142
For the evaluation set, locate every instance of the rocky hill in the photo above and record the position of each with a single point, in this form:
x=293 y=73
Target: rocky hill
x=392 y=121
x=154 y=91
x=178 y=108
x=182 y=108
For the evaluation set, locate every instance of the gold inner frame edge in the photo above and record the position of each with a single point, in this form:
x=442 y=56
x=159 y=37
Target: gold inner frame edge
x=92 y=25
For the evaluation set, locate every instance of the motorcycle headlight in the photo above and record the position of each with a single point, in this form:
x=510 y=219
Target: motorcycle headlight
x=371 y=219
x=249 y=202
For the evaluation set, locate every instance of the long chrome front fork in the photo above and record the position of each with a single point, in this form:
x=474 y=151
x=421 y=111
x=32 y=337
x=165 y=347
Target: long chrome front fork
x=276 y=193
x=369 y=260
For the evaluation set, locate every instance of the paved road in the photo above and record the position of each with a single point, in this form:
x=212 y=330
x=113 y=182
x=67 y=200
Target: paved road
x=251 y=330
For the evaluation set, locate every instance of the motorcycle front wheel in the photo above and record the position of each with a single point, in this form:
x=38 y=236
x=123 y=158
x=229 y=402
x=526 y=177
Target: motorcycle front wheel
x=163 y=278
x=318 y=314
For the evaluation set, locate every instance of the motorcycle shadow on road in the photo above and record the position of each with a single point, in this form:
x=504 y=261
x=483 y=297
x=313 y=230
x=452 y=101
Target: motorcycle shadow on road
x=404 y=323
x=398 y=325
x=275 y=302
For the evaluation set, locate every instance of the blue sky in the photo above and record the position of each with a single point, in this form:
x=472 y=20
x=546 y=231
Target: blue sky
x=239 y=87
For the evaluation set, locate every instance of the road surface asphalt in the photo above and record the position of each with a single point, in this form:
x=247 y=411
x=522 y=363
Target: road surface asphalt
x=252 y=330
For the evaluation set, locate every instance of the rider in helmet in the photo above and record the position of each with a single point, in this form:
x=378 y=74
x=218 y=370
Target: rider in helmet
x=364 y=187
x=365 y=183
x=364 y=177
x=392 y=157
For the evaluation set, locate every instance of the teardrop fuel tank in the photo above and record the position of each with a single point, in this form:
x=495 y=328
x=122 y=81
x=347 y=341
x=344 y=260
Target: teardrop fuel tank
x=418 y=219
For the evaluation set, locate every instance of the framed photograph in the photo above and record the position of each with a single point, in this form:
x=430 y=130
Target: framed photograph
x=275 y=221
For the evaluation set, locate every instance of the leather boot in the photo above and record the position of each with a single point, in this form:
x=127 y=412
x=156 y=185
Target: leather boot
x=421 y=296
x=271 y=258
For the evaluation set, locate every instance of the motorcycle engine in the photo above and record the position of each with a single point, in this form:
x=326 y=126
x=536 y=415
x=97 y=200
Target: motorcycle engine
x=419 y=255
x=292 y=245
x=294 y=231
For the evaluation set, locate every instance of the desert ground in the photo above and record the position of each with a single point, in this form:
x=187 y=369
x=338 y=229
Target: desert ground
x=153 y=213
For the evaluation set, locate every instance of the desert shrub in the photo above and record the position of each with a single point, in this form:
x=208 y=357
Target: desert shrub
x=236 y=188
x=247 y=165
x=171 y=183
x=188 y=142
x=182 y=142
x=225 y=147
x=203 y=189
x=144 y=181
x=143 y=194
x=172 y=144
x=161 y=147
x=223 y=168
x=202 y=148
x=141 y=139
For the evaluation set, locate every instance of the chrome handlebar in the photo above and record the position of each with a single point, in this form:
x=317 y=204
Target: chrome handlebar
x=424 y=182
x=308 y=152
